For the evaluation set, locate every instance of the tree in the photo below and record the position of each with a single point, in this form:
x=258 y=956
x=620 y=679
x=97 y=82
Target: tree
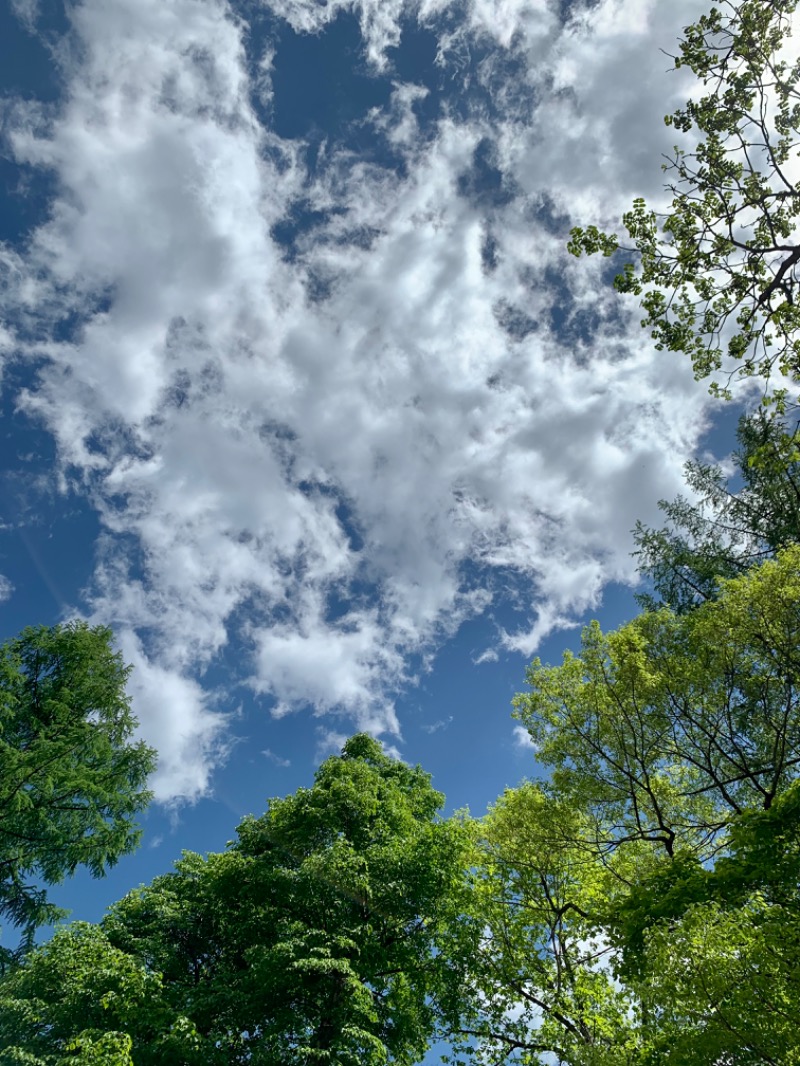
x=312 y=939
x=538 y=978
x=667 y=728
x=639 y=904
x=725 y=530
x=719 y=271
x=75 y=999
x=722 y=986
x=673 y=746
x=71 y=778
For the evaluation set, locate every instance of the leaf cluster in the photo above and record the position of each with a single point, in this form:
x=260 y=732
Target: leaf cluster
x=718 y=273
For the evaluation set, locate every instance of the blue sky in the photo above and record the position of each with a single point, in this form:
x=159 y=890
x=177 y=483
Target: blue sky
x=301 y=391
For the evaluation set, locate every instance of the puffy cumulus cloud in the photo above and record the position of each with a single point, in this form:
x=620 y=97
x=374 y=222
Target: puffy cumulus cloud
x=334 y=457
x=175 y=717
x=522 y=739
x=609 y=87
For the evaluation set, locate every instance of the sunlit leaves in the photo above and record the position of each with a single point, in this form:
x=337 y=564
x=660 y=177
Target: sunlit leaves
x=718 y=273
x=539 y=975
x=666 y=728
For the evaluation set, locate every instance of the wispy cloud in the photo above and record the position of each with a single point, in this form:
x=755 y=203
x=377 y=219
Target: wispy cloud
x=276 y=759
x=488 y=655
x=435 y=727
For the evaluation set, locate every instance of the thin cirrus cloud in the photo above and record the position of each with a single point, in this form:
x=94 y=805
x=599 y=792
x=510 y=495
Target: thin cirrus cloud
x=334 y=456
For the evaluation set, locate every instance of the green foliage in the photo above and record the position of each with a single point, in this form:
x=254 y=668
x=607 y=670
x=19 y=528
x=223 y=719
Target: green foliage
x=761 y=860
x=538 y=975
x=678 y=734
x=77 y=999
x=667 y=728
x=71 y=778
x=638 y=906
x=726 y=530
x=719 y=272
x=722 y=983
x=312 y=939
x=671 y=822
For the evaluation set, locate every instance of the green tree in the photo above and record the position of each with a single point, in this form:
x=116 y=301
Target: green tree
x=713 y=947
x=719 y=271
x=75 y=1000
x=71 y=778
x=538 y=976
x=725 y=529
x=673 y=748
x=722 y=986
x=312 y=939
x=667 y=728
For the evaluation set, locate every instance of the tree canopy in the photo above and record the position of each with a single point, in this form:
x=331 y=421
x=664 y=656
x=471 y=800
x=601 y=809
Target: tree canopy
x=639 y=903
x=72 y=777
x=734 y=521
x=312 y=939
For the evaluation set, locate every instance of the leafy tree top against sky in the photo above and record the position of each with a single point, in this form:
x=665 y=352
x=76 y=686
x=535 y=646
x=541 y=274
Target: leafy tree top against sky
x=72 y=778
x=718 y=273
x=307 y=399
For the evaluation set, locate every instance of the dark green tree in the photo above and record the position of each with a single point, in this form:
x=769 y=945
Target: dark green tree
x=731 y=523
x=312 y=939
x=72 y=779
x=719 y=272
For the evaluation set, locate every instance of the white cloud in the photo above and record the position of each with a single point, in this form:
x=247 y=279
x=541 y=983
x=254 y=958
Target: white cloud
x=441 y=723
x=488 y=655
x=522 y=739
x=6 y=589
x=278 y=760
x=175 y=717
x=339 y=484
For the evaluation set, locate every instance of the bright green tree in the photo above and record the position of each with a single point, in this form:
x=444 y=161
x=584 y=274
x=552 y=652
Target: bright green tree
x=675 y=744
x=640 y=904
x=538 y=976
x=712 y=947
x=75 y=1000
x=665 y=729
x=679 y=733
x=312 y=939
x=718 y=272
x=72 y=779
